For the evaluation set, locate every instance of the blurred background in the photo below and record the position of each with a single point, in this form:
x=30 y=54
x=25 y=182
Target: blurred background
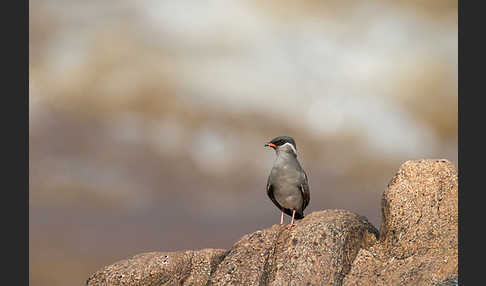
x=148 y=118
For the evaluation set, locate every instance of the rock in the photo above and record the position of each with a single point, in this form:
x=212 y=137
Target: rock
x=417 y=245
x=160 y=268
x=451 y=281
x=418 y=242
x=319 y=250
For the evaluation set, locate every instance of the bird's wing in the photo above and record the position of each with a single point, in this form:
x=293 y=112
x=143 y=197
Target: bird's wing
x=270 y=193
x=304 y=188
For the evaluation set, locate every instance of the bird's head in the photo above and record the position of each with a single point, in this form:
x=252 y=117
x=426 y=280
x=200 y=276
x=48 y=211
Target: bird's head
x=283 y=143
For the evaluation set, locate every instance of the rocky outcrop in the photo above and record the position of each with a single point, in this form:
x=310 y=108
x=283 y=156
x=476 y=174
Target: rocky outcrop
x=417 y=245
x=318 y=251
x=418 y=242
x=161 y=268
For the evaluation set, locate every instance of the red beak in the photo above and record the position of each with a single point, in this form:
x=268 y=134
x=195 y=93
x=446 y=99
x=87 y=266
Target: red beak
x=271 y=145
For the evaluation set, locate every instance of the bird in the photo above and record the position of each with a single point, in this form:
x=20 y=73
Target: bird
x=287 y=184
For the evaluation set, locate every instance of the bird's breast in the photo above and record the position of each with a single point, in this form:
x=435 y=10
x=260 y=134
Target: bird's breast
x=286 y=177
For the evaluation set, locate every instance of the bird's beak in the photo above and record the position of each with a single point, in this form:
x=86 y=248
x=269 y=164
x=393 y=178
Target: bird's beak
x=271 y=145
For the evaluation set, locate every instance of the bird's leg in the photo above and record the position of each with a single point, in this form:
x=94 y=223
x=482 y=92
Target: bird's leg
x=281 y=217
x=292 y=221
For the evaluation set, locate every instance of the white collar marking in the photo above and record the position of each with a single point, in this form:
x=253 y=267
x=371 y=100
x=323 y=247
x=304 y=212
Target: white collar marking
x=291 y=146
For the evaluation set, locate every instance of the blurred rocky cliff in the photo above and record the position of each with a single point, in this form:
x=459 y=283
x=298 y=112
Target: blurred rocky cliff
x=150 y=117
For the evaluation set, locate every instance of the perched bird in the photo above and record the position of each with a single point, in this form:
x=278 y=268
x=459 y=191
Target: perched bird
x=287 y=184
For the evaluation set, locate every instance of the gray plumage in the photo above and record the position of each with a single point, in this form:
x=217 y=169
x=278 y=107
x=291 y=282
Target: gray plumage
x=287 y=184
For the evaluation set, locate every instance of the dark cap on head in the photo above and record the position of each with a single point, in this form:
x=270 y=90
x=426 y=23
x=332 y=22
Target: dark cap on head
x=281 y=140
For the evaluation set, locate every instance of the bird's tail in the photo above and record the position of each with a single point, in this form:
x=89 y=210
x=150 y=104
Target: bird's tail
x=299 y=216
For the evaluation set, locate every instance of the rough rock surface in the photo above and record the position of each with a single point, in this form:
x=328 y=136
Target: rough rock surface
x=417 y=245
x=160 y=268
x=418 y=242
x=319 y=250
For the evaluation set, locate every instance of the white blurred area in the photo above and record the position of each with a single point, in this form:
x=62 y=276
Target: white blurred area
x=150 y=116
